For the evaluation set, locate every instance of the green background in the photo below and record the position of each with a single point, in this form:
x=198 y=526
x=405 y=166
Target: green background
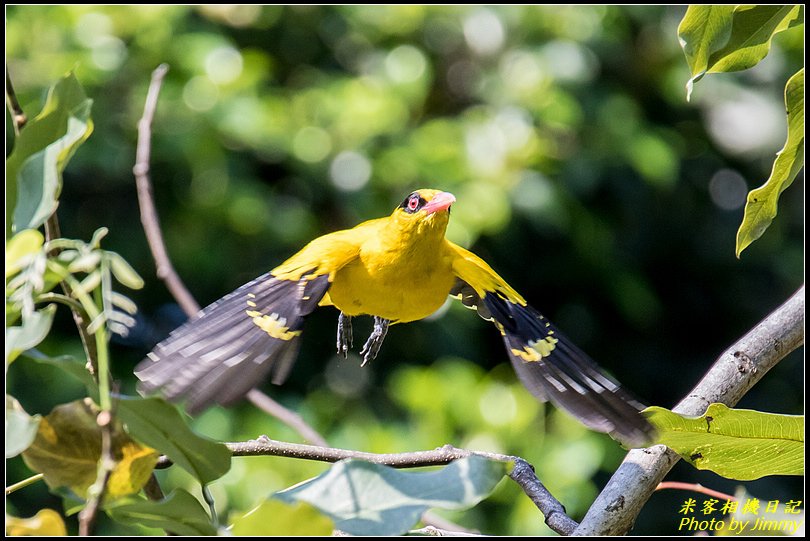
x=581 y=173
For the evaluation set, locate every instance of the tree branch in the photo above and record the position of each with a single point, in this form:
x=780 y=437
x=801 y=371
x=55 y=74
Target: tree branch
x=522 y=472
x=732 y=375
x=165 y=269
x=18 y=118
x=149 y=217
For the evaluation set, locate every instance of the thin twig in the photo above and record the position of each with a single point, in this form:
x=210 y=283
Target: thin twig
x=521 y=473
x=732 y=375
x=149 y=217
x=24 y=483
x=165 y=269
x=18 y=118
x=695 y=487
x=106 y=464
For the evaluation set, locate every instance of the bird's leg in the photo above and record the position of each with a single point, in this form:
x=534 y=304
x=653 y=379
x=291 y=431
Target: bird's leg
x=344 y=334
x=372 y=345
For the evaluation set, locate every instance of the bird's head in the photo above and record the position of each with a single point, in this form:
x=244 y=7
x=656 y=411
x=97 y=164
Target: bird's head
x=424 y=211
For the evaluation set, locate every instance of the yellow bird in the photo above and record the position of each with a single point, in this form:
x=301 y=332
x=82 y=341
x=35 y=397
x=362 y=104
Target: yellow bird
x=397 y=269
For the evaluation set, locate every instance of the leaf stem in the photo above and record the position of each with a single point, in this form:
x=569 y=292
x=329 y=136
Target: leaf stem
x=24 y=483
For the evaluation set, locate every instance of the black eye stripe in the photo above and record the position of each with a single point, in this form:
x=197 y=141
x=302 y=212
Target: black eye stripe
x=406 y=204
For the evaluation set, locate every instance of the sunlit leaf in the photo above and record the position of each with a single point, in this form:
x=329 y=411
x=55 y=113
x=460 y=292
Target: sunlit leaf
x=738 y=444
x=704 y=29
x=370 y=499
x=68 y=446
x=158 y=424
x=752 y=29
x=723 y=38
x=42 y=150
x=273 y=517
x=19 y=249
x=46 y=522
x=33 y=330
x=21 y=428
x=760 y=206
x=179 y=513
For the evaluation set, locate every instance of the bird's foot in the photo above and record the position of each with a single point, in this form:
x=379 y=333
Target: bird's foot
x=344 y=335
x=375 y=340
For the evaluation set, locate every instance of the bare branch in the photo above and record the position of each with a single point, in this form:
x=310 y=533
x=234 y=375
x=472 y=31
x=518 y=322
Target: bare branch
x=522 y=472
x=18 y=118
x=165 y=269
x=149 y=217
x=731 y=376
x=695 y=487
x=106 y=464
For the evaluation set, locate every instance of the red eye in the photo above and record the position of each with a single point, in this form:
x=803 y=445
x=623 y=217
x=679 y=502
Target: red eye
x=413 y=203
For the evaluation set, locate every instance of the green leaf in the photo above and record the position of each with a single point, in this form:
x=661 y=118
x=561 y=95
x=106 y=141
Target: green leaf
x=35 y=327
x=752 y=29
x=67 y=449
x=21 y=428
x=20 y=248
x=738 y=444
x=158 y=424
x=46 y=522
x=703 y=30
x=42 y=150
x=70 y=365
x=724 y=38
x=363 y=498
x=760 y=206
x=179 y=513
x=273 y=517
x=124 y=272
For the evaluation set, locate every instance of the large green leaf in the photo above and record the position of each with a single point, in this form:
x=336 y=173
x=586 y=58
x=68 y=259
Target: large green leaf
x=723 y=38
x=21 y=428
x=179 y=513
x=363 y=498
x=760 y=206
x=752 y=29
x=738 y=444
x=42 y=150
x=67 y=449
x=158 y=424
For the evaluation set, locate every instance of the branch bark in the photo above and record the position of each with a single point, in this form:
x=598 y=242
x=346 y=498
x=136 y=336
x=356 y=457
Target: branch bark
x=522 y=472
x=165 y=269
x=732 y=375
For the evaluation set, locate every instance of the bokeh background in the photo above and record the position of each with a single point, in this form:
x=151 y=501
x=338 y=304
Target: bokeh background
x=582 y=175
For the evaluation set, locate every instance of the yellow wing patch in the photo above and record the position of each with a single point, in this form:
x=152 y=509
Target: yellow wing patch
x=273 y=325
x=537 y=349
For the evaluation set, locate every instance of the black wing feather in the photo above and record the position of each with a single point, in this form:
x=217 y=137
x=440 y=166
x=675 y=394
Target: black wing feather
x=552 y=368
x=233 y=344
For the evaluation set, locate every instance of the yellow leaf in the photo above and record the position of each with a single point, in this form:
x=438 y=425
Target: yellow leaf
x=45 y=522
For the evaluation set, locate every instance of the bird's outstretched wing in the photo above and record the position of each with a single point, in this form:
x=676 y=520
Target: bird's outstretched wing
x=548 y=364
x=234 y=343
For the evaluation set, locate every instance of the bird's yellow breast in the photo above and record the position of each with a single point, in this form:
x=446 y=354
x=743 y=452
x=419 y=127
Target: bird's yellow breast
x=394 y=283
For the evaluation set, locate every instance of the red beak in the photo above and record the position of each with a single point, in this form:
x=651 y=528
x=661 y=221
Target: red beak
x=440 y=201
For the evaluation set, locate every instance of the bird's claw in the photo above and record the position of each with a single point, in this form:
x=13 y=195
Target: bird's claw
x=344 y=335
x=375 y=340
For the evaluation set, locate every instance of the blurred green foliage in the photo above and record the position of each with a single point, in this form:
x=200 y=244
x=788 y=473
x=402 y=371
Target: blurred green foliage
x=582 y=175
